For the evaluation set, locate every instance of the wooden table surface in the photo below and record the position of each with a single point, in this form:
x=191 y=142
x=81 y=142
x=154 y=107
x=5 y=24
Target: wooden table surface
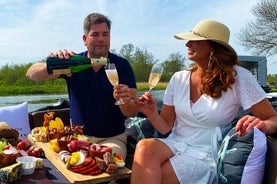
x=53 y=157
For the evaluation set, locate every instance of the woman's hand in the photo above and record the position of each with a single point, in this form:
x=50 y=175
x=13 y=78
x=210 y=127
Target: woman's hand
x=147 y=104
x=247 y=122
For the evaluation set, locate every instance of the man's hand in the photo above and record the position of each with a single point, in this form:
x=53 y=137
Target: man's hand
x=63 y=54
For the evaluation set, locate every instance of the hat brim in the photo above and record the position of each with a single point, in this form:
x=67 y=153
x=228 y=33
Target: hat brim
x=194 y=37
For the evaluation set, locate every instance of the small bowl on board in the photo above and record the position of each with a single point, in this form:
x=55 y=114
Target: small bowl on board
x=28 y=164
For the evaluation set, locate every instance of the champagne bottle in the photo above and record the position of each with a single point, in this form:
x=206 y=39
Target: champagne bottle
x=74 y=64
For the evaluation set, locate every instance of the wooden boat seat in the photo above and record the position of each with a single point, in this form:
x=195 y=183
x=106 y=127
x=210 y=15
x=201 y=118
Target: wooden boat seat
x=36 y=118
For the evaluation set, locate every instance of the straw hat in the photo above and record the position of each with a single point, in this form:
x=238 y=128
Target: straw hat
x=208 y=30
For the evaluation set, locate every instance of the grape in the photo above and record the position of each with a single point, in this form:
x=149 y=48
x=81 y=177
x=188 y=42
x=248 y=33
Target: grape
x=3 y=143
x=2 y=146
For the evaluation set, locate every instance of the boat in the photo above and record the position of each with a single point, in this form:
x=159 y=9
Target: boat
x=145 y=130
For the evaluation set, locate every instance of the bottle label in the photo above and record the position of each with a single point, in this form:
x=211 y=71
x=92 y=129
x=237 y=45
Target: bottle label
x=98 y=61
x=61 y=71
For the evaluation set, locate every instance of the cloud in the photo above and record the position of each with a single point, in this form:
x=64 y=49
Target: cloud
x=30 y=29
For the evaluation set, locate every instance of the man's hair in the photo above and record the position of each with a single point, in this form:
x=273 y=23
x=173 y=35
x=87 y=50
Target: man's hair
x=96 y=18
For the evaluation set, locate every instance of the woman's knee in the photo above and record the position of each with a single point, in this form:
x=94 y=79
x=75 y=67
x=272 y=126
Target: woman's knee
x=145 y=147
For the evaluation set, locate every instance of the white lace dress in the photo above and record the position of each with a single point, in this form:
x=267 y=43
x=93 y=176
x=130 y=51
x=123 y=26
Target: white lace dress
x=199 y=126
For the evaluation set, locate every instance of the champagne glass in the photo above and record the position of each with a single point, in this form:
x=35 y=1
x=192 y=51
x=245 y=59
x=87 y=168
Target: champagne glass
x=155 y=75
x=112 y=75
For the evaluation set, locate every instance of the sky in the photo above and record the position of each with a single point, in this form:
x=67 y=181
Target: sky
x=31 y=29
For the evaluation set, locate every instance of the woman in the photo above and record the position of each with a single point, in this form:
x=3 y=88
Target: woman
x=198 y=107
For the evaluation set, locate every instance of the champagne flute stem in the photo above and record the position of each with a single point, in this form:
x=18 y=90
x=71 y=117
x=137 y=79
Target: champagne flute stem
x=120 y=101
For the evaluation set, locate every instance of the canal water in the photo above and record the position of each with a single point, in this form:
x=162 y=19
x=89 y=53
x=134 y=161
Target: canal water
x=39 y=101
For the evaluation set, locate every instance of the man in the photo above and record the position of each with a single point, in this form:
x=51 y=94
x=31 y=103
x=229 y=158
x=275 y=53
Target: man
x=91 y=95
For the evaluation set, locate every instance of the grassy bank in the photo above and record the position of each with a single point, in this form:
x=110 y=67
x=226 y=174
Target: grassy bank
x=31 y=90
x=45 y=89
x=142 y=86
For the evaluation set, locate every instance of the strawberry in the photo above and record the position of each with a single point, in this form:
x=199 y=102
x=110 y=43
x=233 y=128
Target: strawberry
x=119 y=156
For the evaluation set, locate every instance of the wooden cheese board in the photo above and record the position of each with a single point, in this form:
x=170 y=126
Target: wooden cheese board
x=53 y=157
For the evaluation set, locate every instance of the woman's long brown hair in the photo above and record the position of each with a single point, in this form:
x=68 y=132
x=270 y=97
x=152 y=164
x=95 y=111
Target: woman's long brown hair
x=220 y=74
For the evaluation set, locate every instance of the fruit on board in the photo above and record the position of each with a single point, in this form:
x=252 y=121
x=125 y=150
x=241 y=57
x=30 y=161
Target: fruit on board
x=56 y=124
x=22 y=145
x=3 y=145
x=54 y=145
x=33 y=153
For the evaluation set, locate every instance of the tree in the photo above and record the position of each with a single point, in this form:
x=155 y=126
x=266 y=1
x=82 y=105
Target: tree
x=142 y=63
x=174 y=63
x=127 y=52
x=140 y=60
x=260 y=36
x=272 y=80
